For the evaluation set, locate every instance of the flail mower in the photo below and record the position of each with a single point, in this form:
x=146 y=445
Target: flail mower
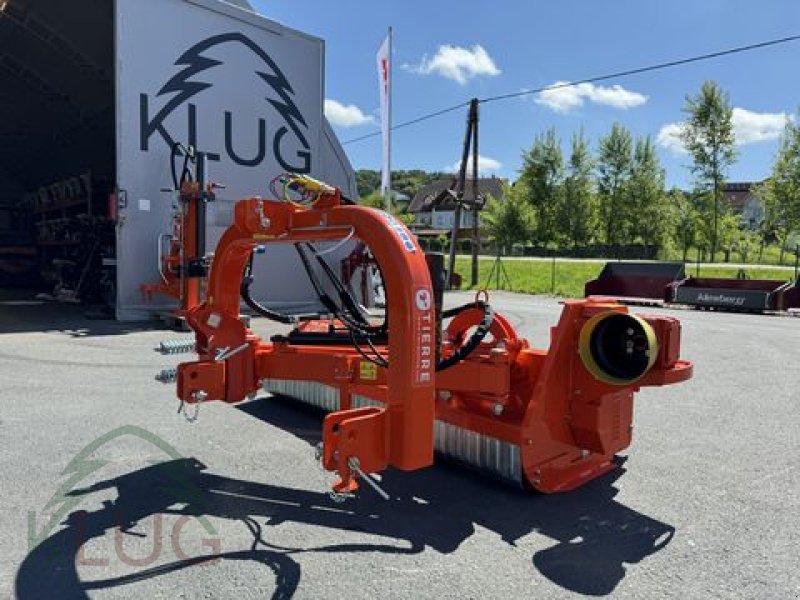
x=459 y=382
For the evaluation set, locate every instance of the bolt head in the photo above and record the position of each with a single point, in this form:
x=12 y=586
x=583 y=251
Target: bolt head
x=497 y=409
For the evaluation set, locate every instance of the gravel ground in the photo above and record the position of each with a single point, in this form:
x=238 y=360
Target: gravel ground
x=108 y=493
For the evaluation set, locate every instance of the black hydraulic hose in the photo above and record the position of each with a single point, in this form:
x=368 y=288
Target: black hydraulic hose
x=247 y=280
x=186 y=173
x=357 y=330
x=474 y=340
x=326 y=300
x=452 y=312
x=378 y=359
x=346 y=298
x=358 y=321
x=263 y=310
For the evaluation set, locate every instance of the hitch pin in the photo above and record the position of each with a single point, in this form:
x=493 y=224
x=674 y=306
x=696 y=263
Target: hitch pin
x=226 y=353
x=355 y=466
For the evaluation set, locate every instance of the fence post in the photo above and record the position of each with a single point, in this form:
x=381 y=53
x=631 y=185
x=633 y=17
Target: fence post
x=796 y=261
x=697 y=267
x=497 y=272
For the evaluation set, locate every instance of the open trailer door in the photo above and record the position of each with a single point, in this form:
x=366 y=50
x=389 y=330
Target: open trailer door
x=245 y=91
x=56 y=150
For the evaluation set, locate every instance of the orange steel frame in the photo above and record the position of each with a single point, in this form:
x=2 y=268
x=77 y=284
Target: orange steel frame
x=567 y=423
x=175 y=282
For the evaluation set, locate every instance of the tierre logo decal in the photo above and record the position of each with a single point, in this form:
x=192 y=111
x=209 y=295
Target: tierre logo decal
x=422 y=299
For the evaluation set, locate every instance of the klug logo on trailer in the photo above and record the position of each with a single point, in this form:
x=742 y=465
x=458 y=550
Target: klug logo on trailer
x=194 y=78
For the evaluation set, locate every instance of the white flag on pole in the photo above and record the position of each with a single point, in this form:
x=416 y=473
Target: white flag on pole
x=385 y=81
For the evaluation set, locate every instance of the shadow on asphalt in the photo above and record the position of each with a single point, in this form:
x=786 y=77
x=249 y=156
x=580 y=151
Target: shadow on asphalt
x=21 y=312
x=594 y=535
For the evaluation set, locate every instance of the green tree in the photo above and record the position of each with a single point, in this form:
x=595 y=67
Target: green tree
x=708 y=136
x=541 y=175
x=780 y=194
x=367 y=181
x=729 y=233
x=647 y=208
x=685 y=219
x=408 y=183
x=405 y=182
x=614 y=164
x=746 y=245
x=375 y=200
x=575 y=216
x=509 y=222
x=767 y=226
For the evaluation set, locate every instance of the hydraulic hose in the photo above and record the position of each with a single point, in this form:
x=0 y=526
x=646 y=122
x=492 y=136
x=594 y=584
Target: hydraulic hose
x=474 y=340
x=247 y=280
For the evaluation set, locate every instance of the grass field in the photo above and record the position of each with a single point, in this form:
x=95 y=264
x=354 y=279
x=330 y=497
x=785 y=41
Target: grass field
x=770 y=256
x=566 y=278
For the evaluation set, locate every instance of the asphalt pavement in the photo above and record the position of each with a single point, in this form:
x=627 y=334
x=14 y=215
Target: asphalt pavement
x=108 y=492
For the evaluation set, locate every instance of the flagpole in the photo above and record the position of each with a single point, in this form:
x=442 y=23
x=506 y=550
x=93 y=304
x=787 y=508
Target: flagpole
x=388 y=200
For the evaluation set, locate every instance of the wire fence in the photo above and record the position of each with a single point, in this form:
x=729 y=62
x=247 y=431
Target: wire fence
x=567 y=277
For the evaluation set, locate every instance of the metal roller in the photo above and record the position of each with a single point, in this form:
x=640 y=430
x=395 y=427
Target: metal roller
x=482 y=453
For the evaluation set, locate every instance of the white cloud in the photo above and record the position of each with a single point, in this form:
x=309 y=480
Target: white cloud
x=486 y=166
x=751 y=127
x=748 y=127
x=457 y=63
x=669 y=137
x=341 y=115
x=564 y=99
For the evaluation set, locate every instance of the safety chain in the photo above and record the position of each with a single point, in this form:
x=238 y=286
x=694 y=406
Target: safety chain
x=355 y=466
x=199 y=397
x=332 y=494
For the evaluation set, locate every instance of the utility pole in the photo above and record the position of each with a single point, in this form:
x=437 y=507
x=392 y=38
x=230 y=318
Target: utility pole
x=471 y=137
x=473 y=108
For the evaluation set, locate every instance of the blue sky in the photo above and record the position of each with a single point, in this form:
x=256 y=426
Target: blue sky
x=448 y=51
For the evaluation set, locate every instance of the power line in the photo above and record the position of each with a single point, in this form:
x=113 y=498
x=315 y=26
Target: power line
x=411 y=122
x=656 y=67
x=615 y=75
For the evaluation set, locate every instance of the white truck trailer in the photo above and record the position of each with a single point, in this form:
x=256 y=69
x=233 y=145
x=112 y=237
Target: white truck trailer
x=104 y=88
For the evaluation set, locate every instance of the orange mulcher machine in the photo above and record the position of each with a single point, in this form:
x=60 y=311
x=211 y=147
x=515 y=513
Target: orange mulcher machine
x=459 y=382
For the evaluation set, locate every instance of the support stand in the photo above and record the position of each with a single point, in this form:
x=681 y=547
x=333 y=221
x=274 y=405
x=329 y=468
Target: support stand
x=498 y=270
